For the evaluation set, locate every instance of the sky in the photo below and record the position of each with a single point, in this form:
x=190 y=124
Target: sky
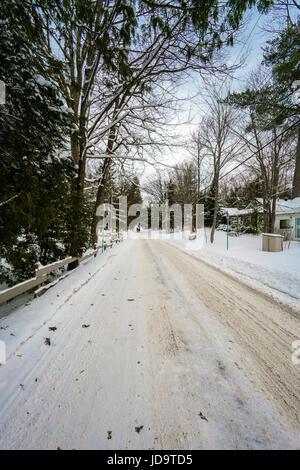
x=250 y=43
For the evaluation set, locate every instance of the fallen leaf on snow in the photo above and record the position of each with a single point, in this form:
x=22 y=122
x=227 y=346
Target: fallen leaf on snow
x=138 y=429
x=203 y=417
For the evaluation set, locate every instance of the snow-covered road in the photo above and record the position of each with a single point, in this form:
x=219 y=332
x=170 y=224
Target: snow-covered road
x=154 y=350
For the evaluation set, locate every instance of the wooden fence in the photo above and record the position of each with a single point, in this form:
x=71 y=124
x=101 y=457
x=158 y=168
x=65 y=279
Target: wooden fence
x=42 y=271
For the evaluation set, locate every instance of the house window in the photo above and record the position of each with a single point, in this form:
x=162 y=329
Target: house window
x=285 y=223
x=297 y=227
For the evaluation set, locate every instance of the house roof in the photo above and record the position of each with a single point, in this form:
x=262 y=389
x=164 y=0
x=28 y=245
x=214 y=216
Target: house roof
x=233 y=211
x=291 y=206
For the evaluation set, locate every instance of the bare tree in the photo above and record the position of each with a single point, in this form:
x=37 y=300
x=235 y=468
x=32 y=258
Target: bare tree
x=270 y=163
x=271 y=142
x=138 y=134
x=283 y=13
x=217 y=139
x=95 y=36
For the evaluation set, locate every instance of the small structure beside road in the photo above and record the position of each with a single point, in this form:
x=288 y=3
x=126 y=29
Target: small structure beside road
x=272 y=242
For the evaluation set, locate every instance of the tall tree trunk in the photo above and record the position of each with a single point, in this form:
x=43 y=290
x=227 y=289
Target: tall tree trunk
x=266 y=209
x=77 y=148
x=100 y=192
x=273 y=215
x=296 y=182
x=264 y=173
x=216 y=203
x=78 y=199
x=99 y=199
x=266 y=199
x=274 y=184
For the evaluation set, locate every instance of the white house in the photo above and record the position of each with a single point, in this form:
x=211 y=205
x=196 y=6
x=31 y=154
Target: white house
x=288 y=215
x=287 y=219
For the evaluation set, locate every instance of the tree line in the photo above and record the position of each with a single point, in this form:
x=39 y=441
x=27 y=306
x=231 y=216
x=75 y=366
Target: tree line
x=247 y=144
x=86 y=85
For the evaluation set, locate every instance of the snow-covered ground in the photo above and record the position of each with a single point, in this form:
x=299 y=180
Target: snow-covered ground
x=277 y=274
x=149 y=347
x=17 y=323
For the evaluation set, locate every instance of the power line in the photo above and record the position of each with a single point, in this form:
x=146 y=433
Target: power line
x=274 y=119
x=249 y=35
x=248 y=158
x=240 y=52
x=267 y=78
x=254 y=153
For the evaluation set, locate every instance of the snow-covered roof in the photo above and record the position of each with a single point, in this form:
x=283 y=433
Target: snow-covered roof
x=233 y=211
x=288 y=207
x=291 y=206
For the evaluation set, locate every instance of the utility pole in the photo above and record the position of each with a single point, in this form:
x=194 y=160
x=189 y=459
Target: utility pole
x=198 y=172
x=296 y=181
x=227 y=219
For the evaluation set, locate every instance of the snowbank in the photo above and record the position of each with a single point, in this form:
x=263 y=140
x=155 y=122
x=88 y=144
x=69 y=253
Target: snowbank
x=277 y=274
x=18 y=324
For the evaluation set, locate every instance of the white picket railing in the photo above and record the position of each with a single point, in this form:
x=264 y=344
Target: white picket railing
x=42 y=271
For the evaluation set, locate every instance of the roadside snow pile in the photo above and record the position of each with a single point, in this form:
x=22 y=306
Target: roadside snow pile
x=18 y=324
x=277 y=274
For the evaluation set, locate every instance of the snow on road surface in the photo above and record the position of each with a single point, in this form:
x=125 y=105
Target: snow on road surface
x=276 y=273
x=153 y=349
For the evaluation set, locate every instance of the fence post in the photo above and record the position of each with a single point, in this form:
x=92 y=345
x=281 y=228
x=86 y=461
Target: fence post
x=73 y=264
x=37 y=267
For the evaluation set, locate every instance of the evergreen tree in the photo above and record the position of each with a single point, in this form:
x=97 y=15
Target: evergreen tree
x=131 y=189
x=209 y=205
x=35 y=176
x=273 y=115
x=283 y=55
